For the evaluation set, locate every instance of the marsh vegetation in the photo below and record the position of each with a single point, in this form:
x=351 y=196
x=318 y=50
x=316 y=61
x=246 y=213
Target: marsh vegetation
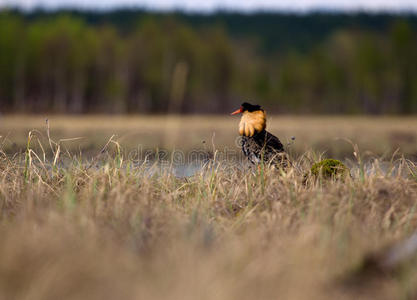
x=105 y=227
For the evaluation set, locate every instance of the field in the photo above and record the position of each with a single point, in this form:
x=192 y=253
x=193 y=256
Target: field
x=81 y=218
x=331 y=135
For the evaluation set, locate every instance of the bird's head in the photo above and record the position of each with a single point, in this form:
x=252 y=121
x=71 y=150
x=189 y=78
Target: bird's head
x=253 y=119
x=245 y=106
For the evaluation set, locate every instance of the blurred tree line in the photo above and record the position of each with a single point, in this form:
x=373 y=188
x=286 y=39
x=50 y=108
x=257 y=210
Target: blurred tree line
x=138 y=62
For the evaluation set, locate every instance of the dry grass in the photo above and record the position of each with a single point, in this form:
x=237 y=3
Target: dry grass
x=378 y=135
x=110 y=229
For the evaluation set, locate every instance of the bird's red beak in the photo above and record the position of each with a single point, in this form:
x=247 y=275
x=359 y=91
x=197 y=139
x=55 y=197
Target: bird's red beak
x=239 y=111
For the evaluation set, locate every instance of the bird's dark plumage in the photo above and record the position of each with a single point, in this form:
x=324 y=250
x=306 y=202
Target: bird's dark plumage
x=263 y=145
x=250 y=107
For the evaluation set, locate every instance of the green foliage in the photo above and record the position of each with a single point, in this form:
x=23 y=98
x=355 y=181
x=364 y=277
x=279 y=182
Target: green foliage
x=70 y=62
x=329 y=168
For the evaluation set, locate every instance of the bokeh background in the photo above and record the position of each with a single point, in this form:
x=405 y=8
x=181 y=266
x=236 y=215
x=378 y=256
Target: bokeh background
x=183 y=58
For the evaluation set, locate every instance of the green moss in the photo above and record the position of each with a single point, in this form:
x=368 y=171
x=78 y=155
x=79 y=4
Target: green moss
x=329 y=168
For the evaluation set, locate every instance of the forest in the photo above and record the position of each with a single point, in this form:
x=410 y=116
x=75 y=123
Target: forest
x=133 y=61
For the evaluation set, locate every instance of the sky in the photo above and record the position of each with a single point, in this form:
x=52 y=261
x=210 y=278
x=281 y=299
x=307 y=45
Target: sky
x=235 y=5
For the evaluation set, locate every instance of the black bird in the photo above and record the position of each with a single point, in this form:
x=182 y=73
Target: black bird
x=257 y=143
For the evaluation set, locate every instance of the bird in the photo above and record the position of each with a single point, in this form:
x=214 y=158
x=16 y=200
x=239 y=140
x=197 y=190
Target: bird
x=258 y=144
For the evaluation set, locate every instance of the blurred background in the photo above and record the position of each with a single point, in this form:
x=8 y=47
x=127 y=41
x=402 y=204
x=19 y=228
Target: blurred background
x=355 y=58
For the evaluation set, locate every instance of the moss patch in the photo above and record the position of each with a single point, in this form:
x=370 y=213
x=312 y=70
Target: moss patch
x=329 y=168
